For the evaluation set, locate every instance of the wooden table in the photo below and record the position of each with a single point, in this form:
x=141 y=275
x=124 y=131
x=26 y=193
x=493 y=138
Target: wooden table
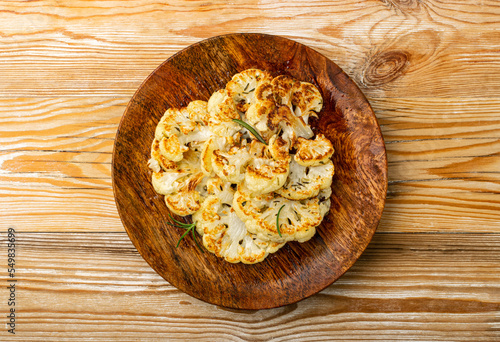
x=430 y=69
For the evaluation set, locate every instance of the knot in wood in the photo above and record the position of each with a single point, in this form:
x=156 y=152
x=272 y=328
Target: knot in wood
x=403 y=5
x=385 y=67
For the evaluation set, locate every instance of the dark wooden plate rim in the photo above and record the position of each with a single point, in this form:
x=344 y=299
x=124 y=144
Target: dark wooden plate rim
x=297 y=271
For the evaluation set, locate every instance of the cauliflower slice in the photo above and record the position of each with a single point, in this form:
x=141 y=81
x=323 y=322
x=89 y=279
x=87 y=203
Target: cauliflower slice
x=313 y=152
x=221 y=108
x=158 y=161
x=166 y=183
x=290 y=125
x=302 y=98
x=297 y=221
x=179 y=185
x=225 y=235
x=242 y=87
x=172 y=149
x=174 y=121
x=283 y=88
x=265 y=175
x=307 y=100
x=268 y=170
x=199 y=153
x=186 y=200
x=198 y=111
x=230 y=165
x=306 y=182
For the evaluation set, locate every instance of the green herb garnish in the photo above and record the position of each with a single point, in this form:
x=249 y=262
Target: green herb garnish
x=278 y=220
x=189 y=227
x=251 y=129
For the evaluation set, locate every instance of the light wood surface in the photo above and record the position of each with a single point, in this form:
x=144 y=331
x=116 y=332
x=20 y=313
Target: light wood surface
x=431 y=71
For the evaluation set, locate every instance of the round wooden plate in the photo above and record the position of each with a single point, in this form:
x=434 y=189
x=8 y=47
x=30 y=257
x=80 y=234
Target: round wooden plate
x=298 y=270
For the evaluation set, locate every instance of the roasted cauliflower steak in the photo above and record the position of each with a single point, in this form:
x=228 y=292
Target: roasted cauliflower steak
x=246 y=165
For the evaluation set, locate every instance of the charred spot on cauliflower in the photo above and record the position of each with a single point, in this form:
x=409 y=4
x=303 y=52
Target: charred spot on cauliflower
x=246 y=165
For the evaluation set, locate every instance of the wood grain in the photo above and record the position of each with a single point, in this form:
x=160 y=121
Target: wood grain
x=443 y=154
x=55 y=159
x=448 y=170
x=297 y=270
x=430 y=70
x=389 y=47
x=71 y=284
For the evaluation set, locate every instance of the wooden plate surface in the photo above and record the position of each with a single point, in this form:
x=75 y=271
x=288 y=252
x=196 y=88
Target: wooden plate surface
x=297 y=270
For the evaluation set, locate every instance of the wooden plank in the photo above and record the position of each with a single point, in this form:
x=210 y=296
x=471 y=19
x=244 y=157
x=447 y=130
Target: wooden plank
x=59 y=209
x=55 y=159
x=390 y=48
x=419 y=287
x=441 y=179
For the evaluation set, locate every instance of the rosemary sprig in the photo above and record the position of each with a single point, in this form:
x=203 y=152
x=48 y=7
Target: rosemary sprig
x=278 y=220
x=189 y=227
x=251 y=129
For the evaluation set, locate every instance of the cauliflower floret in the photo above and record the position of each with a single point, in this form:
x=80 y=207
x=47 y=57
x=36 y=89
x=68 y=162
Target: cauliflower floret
x=166 y=183
x=230 y=165
x=187 y=200
x=258 y=112
x=264 y=175
x=157 y=159
x=313 y=152
x=172 y=149
x=198 y=111
x=242 y=87
x=197 y=136
x=283 y=88
x=306 y=182
x=174 y=121
x=176 y=129
x=225 y=235
x=220 y=114
x=173 y=180
x=297 y=221
x=302 y=98
x=307 y=100
x=291 y=126
x=279 y=148
x=269 y=167
x=258 y=149
x=221 y=189
x=154 y=165
x=221 y=108
x=214 y=143
x=179 y=184
x=184 y=203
